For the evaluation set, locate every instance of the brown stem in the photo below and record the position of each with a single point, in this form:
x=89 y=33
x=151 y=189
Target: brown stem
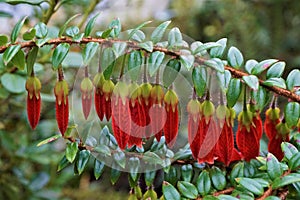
x=134 y=46
x=267 y=193
x=60 y=74
x=226 y=191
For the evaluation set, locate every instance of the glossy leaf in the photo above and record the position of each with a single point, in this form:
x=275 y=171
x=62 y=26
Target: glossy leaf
x=236 y=172
x=199 y=80
x=30 y=2
x=116 y=28
x=224 y=79
x=250 y=64
x=14 y=83
x=294 y=162
x=203 y=183
x=48 y=140
x=59 y=54
x=216 y=64
x=159 y=31
x=286 y=180
x=114 y=175
x=10 y=52
x=120 y=158
x=138 y=28
x=83 y=158
x=262 y=66
x=217 y=52
x=41 y=30
x=135 y=62
x=72 y=31
x=175 y=37
x=63 y=163
x=276 y=70
x=148 y=46
x=19 y=60
x=102 y=149
x=278 y=82
x=273 y=167
x=187 y=172
x=288 y=149
x=64 y=27
x=170 y=192
x=16 y=30
x=234 y=91
x=108 y=59
x=155 y=60
x=187 y=61
x=3 y=39
x=235 y=57
x=218 y=179
x=187 y=189
x=149 y=177
x=251 y=185
x=119 y=48
x=28 y=35
x=71 y=151
x=226 y=197
x=133 y=165
x=90 y=25
x=171 y=71
x=201 y=49
x=293 y=79
x=251 y=81
x=89 y=52
x=138 y=36
x=292 y=113
x=98 y=169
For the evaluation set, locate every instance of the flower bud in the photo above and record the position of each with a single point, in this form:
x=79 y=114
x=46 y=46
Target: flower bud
x=61 y=92
x=86 y=88
x=33 y=87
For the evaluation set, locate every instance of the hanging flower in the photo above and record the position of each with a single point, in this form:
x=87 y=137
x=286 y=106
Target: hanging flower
x=86 y=88
x=99 y=96
x=33 y=87
x=146 y=104
x=271 y=121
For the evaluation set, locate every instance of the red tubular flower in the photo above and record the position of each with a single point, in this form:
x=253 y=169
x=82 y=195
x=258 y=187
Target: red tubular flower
x=99 y=96
x=271 y=121
x=172 y=120
x=33 y=87
x=281 y=135
x=61 y=92
x=194 y=109
x=121 y=114
x=86 y=88
x=157 y=111
x=108 y=87
x=246 y=136
x=258 y=124
x=138 y=119
x=146 y=104
x=225 y=144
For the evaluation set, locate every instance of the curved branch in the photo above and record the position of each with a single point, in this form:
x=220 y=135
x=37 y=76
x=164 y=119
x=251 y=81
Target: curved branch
x=236 y=73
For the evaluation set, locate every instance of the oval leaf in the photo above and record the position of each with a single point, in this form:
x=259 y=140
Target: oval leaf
x=159 y=31
x=59 y=54
x=13 y=82
x=89 y=51
x=10 y=52
x=89 y=26
x=276 y=70
x=234 y=91
x=155 y=60
x=16 y=30
x=203 y=183
x=170 y=192
x=293 y=79
x=71 y=151
x=187 y=189
x=83 y=158
x=235 y=57
x=251 y=81
x=292 y=113
x=262 y=66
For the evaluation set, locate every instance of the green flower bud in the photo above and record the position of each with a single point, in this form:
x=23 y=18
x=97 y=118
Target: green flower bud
x=121 y=90
x=86 y=87
x=61 y=91
x=33 y=86
x=171 y=99
x=208 y=109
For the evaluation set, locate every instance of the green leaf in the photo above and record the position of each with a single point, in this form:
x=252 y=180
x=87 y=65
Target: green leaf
x=108 y=61
x=116 y=28
x=10 y=52
x=114 y=175
x=170 y=192
x=251 y=185
x=293 y=79
x=273 y=167
x=234 y=91
x=138 y=36
x=148 y=46
x=288 y=149
x=199 y=80
x=105 y=34
x=28 y=35
x=41 y=42
x=149 y=177
x=203 y=183
x=250 y=64
x=159 y=31
x=217 y=52
x=59 y=54
x=30 y=2
x=235 y=57
x=187 y=172
x=19 y=60
x=249 y=170
x=14 y=83
x=89 y=52
x=133 y=165
x=41 y=30
x=292 y=113
x=102 y=149
x=216 y=64
x=71 y=151
x=276 y=70
x=83 y=158
x=98 y=169
x=226 y=197
x=155 y=60
x=138 y=28
x=236 y=172
x=278 y=82
x=175 y=37
x=16 y=30
x=170 y=72
x=135 y=62
x=260 y=97
x=251 y=81
x=294 y=162
x=89 y=26
x=48 y=140
x=3 y=40
x=272 y=198
x=218 y=178
x=187 y=61
x=119 y=48
x=63 y=28
x=63 y=163
x=72 y=31
x=224 y=79
x=187 y=189
x=201 y=49
x=120 y=158
x=286 y=180
x=262 y=66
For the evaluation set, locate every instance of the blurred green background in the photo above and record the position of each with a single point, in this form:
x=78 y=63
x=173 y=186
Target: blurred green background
x=261 y=29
